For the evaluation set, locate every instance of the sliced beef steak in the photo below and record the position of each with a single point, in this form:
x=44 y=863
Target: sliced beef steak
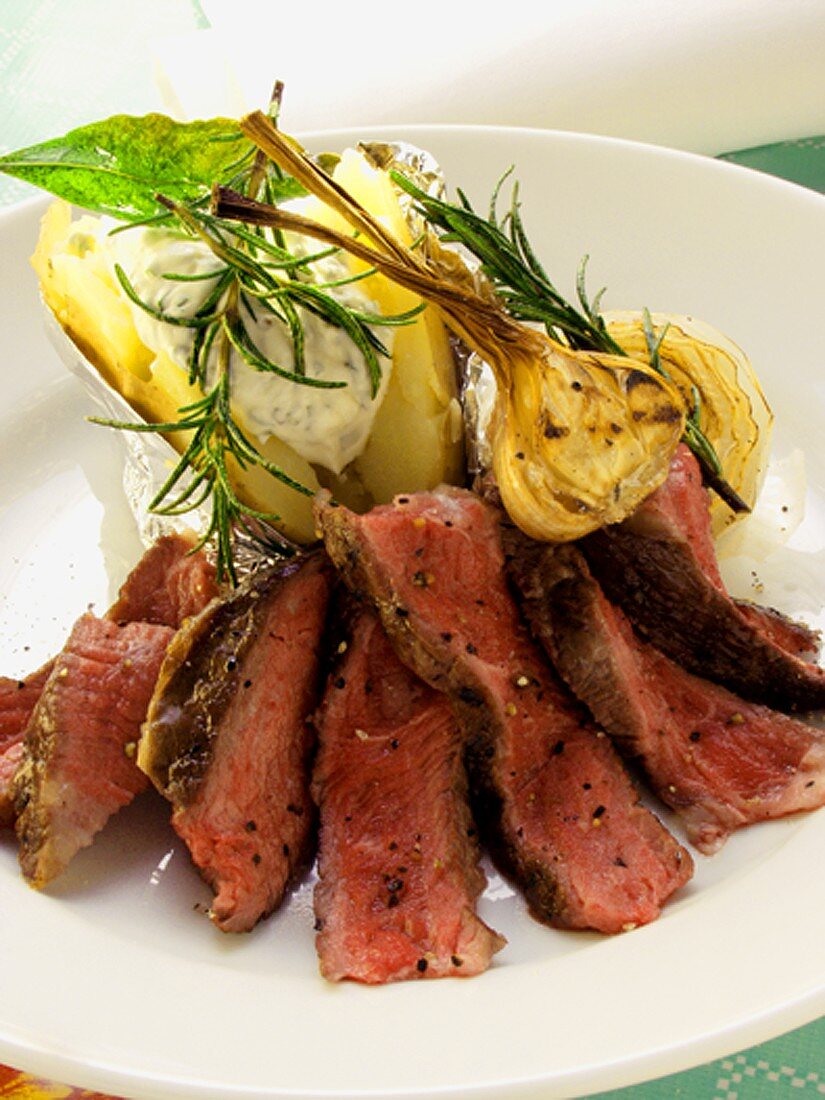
x=398 y=859
x=17 y=701
x=718 y=761
x=683 y=505
x=558 y=810
x=227 y=739
x=78 y=767
x=658 y=566
x=171 y=582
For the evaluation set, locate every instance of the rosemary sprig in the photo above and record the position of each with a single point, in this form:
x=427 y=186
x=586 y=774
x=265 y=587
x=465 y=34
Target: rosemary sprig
x=253 y=269
x=152 y=172
x=202 y=472
x=512 y=267
x=508 y=261
x=255 y=272
x=527 y=363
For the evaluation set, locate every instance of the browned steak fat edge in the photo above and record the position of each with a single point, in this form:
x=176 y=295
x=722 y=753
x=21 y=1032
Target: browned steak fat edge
x=718 y=761
x=78 y=767
x=659 y=567
x=558 y=810
x=171 y=582
x=398 y=859
x=227 y=739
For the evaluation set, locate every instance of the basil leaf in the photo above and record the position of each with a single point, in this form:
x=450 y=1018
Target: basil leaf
x=117 y=166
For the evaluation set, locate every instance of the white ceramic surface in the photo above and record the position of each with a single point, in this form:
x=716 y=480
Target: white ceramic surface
x=115 y=980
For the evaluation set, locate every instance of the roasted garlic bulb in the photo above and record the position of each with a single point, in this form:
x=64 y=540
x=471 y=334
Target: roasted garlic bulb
x=579 y=439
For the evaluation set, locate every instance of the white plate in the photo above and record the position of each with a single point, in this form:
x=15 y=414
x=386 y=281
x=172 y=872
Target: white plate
x=115 y=981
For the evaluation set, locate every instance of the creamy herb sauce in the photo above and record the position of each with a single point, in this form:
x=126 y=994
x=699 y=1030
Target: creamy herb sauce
x=326 y=427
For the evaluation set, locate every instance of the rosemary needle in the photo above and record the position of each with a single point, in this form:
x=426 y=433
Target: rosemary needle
x=508 y=261
x=255 y=272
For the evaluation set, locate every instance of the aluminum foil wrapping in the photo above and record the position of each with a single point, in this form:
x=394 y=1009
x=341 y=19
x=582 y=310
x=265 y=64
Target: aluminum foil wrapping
x=418 y=164
x=478 y=398
x=149 y=459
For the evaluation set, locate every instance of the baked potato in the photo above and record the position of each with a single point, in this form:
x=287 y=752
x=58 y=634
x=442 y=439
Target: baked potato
x=416 y=437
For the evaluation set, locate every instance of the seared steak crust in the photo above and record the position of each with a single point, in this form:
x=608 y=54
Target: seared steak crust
x=398 y=858
x=658 y=567
x=201 y=676
x=559 y=812
x=718 y=761
x=78 y=767
x=227 y=740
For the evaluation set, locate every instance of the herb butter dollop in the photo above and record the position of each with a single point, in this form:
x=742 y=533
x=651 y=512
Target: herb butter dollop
x=327 y=427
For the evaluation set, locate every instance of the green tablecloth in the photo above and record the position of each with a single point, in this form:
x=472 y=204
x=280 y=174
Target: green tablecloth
x=44 y=47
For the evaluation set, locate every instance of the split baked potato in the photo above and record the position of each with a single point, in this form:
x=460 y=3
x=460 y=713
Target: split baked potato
x=416 y=438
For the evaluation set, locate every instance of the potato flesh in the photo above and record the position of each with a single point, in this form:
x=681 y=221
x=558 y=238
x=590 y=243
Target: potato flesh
x=416 y=438
x=79 y=290
x=77 y=286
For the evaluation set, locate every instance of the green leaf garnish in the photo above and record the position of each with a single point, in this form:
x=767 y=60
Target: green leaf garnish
x=117 y=166
x=150 y=171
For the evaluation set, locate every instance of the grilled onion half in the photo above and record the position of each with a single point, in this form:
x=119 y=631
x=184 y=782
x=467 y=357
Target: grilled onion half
x=733 y=411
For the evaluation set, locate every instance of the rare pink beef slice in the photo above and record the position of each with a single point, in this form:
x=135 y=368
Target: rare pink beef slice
x=78 y=766
x=659 y=566
x=398 y=858
x=17 y=701
x=227 y=739
x=171 y=582
x=718 y=761
x=557 y=808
